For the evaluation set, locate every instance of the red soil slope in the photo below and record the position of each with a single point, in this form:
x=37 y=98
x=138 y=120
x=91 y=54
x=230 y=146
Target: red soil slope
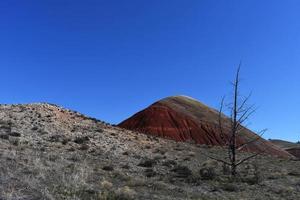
x=292 y=148
x=183 y=119
x=294 y=151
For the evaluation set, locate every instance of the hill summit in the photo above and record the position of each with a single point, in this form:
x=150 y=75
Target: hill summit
x=183 y=118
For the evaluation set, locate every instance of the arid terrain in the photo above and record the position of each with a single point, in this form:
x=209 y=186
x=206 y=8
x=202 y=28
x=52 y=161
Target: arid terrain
x=48 y=152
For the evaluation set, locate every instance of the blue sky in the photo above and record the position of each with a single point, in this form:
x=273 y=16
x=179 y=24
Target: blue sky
x=109 y=59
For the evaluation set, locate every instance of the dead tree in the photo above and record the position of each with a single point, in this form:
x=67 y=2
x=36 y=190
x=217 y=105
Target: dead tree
x=240 y=112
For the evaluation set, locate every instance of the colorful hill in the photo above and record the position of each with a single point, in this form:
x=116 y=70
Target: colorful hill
x=183 y=118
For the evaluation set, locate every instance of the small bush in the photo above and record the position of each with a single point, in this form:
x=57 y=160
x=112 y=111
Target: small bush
x=225 y=169
x=120 y=176
x=99 y=130
x=108 y=168
x=191 y=154
x=126 y=166
x=84 y=147
x=43 y=132
x=150 y=173
x=148 y=163
x=229 y=187
x=81 y=140
x=65 y=141
x=251 y=180
x=161 y=151
x=14 y=141
x=294 y=173
x=53 y=157
x=125 y=193
x=64 y=192
x=254 y=175
x=35 y=128
x=182 y=171
x=208 y=170
x=274 y=175
x=4 y=136
x=15 y=134
x=106 y=185
x=208 y=173
x=56 y=138
x=169 y=163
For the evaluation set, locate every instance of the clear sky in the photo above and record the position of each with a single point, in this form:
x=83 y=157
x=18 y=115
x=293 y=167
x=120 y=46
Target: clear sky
x=111 y=58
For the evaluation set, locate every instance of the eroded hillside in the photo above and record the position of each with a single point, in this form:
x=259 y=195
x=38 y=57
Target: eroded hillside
x=183 y=118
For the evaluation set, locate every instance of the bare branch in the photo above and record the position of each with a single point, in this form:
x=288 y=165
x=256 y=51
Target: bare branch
x=244 y=102
x=243 y=127
x=218 y=159
x=247 y=158
x=251 y=109
x=258 y=137
x=245 y=116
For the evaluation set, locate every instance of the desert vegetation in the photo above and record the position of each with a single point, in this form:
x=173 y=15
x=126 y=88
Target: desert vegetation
x=50 y=163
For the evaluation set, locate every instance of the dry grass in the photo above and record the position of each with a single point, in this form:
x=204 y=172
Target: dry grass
x=39 y=167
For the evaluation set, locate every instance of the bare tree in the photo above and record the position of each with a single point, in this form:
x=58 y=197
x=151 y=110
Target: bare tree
x=240 y=112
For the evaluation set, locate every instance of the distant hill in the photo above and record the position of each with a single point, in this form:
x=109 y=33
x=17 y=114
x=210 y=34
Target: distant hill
x=183 y=118
x=284 y=144
x=291 y=147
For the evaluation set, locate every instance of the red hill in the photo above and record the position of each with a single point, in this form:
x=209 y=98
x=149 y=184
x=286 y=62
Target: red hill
x=291 y=147
x=183 y=119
